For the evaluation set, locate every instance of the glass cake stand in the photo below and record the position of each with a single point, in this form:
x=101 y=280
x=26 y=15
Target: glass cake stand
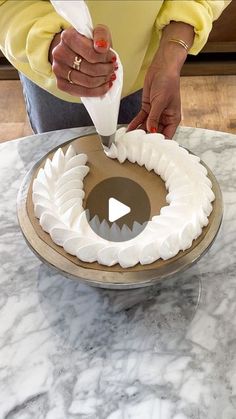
x=92 y=273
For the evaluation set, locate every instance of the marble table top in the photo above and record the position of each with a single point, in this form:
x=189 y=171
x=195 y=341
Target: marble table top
x=70 y=351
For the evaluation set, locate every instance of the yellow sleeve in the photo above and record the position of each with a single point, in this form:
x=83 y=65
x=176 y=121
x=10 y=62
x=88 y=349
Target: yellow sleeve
x=198 y=13
x=27 y=30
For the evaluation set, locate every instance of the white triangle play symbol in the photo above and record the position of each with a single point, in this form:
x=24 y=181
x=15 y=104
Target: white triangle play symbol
x=116 y=210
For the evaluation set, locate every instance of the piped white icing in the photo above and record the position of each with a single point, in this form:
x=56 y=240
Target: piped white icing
x=58 y=202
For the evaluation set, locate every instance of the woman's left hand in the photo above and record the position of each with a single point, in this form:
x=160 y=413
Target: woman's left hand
x=161 y=104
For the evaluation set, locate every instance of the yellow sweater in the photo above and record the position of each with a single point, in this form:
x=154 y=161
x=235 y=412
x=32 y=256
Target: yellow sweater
x=28 y=27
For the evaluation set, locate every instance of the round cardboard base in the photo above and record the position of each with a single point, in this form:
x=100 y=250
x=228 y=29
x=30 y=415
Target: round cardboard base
x=101 y=167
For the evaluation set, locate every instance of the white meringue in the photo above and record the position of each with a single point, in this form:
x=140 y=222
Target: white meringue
x=58 y=202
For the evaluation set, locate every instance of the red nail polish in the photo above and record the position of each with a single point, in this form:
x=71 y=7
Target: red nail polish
x=101 y=43
x=113 y=77
x=153 y=130
x=116 y=67
x=110 y=84
x=113 y=60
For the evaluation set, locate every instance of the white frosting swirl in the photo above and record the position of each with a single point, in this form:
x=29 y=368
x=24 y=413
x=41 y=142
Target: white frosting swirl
x=58 y=201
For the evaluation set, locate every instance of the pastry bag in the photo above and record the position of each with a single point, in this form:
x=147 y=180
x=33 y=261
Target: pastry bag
x=102 y=110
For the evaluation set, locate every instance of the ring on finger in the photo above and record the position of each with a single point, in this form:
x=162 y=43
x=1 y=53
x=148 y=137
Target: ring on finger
x=69 y=77
x=77 y=63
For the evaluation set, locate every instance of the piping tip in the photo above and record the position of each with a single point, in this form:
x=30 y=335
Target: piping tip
x=107 y=140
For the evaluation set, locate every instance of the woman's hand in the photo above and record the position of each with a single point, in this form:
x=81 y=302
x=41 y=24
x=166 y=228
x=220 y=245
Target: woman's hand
x=161 y=104
x=97 y=68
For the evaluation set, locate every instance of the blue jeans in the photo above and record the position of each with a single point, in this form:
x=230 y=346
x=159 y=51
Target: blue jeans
x=48 y=113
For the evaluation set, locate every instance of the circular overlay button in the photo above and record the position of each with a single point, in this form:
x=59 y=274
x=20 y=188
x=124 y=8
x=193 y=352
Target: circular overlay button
x=118 y=209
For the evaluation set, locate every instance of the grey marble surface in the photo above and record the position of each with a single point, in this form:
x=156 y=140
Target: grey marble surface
x=70 y=351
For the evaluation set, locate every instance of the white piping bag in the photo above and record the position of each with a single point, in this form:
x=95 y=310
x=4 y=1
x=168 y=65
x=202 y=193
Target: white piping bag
x=102 y=110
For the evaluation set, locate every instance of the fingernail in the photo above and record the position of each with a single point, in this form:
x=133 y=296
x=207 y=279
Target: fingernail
x=116 y=67
x=110 y=84
x=113 y=77
x=153 y=130
x=101 y=43
x=113 y=60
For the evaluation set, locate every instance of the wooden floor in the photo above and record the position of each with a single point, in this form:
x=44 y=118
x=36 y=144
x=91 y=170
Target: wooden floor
x=207 y=102
x=13 y=119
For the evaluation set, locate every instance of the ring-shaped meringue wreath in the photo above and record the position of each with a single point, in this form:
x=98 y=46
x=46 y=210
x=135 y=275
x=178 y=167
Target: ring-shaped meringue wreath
x=58 y=201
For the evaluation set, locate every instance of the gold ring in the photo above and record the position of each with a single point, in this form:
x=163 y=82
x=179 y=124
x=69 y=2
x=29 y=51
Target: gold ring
x=69 y=77
x=77 y=63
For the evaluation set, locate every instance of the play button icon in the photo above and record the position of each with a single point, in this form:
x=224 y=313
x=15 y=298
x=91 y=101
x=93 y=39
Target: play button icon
x=117 y=210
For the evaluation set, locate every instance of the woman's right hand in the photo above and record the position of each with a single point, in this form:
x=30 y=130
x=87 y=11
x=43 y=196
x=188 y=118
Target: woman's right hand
x=97 y=68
